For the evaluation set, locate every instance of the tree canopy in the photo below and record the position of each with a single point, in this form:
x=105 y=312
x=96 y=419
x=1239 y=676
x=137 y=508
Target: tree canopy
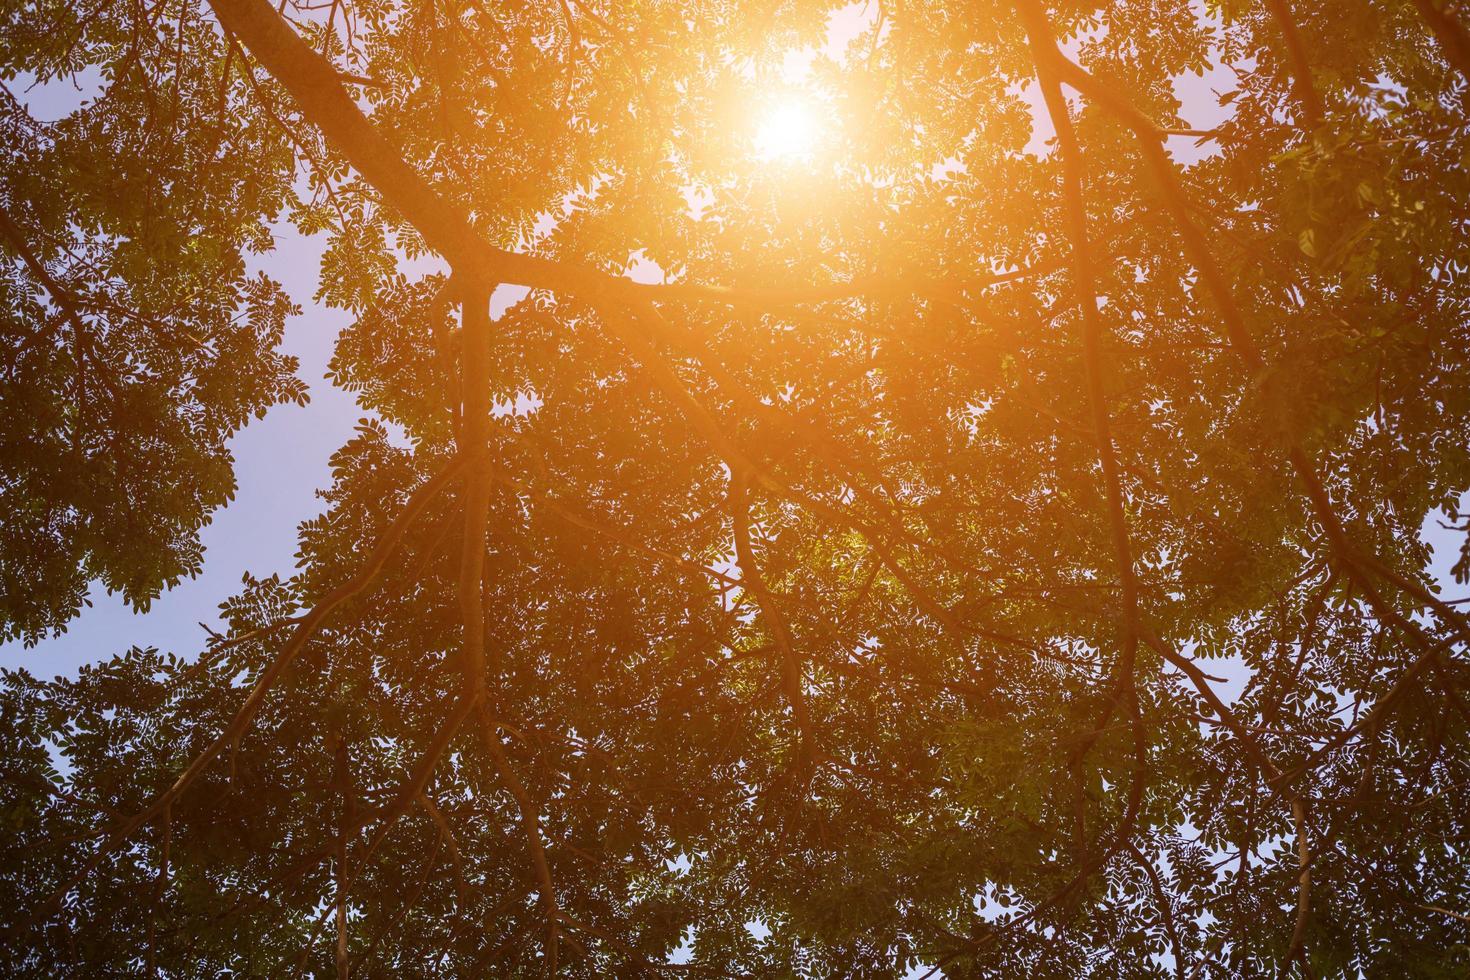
x=848 y=594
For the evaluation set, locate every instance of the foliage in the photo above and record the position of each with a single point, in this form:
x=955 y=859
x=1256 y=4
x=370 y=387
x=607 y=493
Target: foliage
x=847 y=601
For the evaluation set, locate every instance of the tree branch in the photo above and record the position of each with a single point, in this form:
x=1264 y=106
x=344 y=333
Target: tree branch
x=240 y=723
x=1305 y=90
x=1297 y=949
x=531 y=826
x=1450 y=33
x=318 y=89
x=792 y=680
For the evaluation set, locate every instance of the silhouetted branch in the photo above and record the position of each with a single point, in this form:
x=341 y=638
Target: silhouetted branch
x=240 y=723
x=1450 y=33
x=1302 y=85
x=792 y=680
x=1297 y=949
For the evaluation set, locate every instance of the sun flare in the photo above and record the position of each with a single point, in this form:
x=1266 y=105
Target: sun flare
x=787 y=130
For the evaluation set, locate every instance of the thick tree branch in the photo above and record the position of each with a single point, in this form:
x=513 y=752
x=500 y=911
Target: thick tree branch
x=1086 y=292
x=475 y=447
x=476 y=430
x=1123 y=683
x=318 y=89
x=1305 y=90
x=1451 y=34
x=474 y=453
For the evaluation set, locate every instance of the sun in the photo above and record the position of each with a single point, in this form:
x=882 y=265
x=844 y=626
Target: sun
x=787 y=130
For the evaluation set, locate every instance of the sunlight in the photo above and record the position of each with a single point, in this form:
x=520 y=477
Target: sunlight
x=787 y=131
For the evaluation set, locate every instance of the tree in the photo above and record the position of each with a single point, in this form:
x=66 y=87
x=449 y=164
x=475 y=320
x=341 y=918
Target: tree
x=860 y=579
